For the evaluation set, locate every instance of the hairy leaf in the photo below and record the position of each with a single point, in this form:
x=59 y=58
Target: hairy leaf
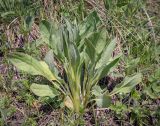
x=127 y=85
x=43 y=90
x=106 y=55
x=30 y=65
x=103 y=101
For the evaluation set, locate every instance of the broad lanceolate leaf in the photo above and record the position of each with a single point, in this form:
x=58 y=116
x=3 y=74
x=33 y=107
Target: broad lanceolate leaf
x=45 y=30
x=127 y=85
x=50 y=34
x=43 y=90
x=103 y=101
x=74 y=55
x=104 y=70
x=90 y=50
x=97 y=91
x=49 y=59
x=98 y=39
x=30 y=65
x=106 y=55
x=89 y=24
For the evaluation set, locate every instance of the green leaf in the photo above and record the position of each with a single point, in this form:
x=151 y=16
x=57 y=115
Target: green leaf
x=153 y=90
x=151 y=93
x=104 y=70
x=106 y=55
x=97 y=91
x=103 y=101
x=156 y=86
x=74 y=55
x=89 y=24
x=127 y=85
x=90 y=50
x=119 y=107
x=30 y=65
x=45 y=30
x=108 y=67
x=72 y=30
x=98 y=40
x=49 y=59
x=43 y=90
x=55 y=38
x=133 y=63
x=65 y=42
